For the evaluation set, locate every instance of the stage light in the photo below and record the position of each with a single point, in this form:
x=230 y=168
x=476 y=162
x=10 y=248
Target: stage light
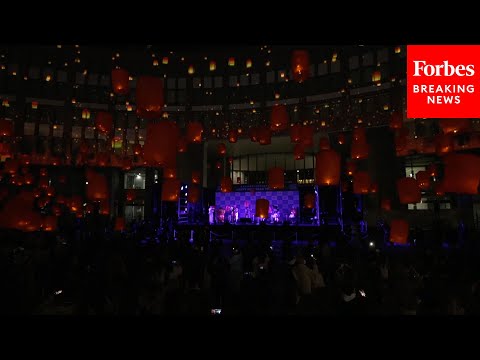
x=186 y=186
x=86 y=182
x=371 y=244
x=181 y=188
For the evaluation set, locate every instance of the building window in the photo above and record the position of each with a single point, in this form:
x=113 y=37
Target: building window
x=135 y=180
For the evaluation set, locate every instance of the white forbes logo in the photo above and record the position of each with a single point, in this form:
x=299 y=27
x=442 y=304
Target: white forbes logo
x=445 y=69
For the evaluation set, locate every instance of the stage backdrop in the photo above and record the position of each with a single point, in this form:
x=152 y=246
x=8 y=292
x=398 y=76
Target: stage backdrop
x=285 y=200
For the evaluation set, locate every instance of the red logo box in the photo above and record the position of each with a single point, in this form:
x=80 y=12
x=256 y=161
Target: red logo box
x=441 y=81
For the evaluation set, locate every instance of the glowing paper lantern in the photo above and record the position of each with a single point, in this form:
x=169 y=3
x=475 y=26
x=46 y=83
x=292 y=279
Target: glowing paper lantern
x=219 y=165
x=119 y=224
x=253 y=133
x=461 y=173
x=279 y=118
x=376 y=76
x=171 y=190
x=455 y=126
x=307 y=135
x=170 y=173
x=6 y=127
x=50 y=191
x=120 y=81
x=432 y=170
x=196 y=177
x=324 y=143
x=399 y=230
x=231 y=61
x=386 y=204
x=327 y=168
x=309 y=201
x=75 y=203
x=182 y=145
x=360 y=150
x=408 y=191
x=232 y=136
x=373 y=188
x=28 y=179
x=49 y=223
x=193 y=194
x=43 y=182
x=221 y=149
x=361 y=182
x=213 y=65
x=89 y=208
x=149 y=97
x=137 y=149
x=131 y=195
x=341 y=139
x=161 y=144
x=264 y=135
x=396 y=120
x=194 y=132
x=97 y=187
x=276 y=178
x=351 y=167
x=296 y=133
x=300 y=65
x=444 y=144
x=423 y=179
x=359 y=135
x=261 y=208
x=11 y=166
x=226 y=184
x=104 y=122
x=299 y=152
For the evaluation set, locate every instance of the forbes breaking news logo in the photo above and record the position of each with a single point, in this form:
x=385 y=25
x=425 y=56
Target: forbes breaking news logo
x=441 y=81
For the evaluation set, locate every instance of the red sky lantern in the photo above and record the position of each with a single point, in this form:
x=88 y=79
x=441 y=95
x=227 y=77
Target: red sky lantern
x=49 y=223
x=11 y=166
x=359 y=135
x=119 y=224
x=351 y=167
x=296 y=133
x=253 y=133
x=299 y=152
x=161 y=144
x=37 y=193
x=455 y=126
x=432 y=170
x=232 y=136
x=196 y=177
x=386 y=204
x=171 y=190
x=300 y=65
x=89 y=208
x=324 y=143
x=373 y=188
x=97 y=187
x=28 y=179
x=120 y=81
x=43 y=182
x=131 y=195
x=461 y=173
x=423 y=179
x=50 y=191
x=194 y=132
x=6 y=127
x=182 y=145
x=149 y=97
x=218 y=165
x=193 y=195
x=279 y=118
x=276 y=178
x=261 y=208
x=399 y=230
x=104 y=207
x=104 y=122
x=170 y=173
x=408 y=191
x=226 y=184
x=43 y=172
x=75 y=203
x=361 y=182
x=327 y=168
x=341 y=139
x=221 y=149
x=396 y=120
x=137 y=149
x=264 y=135
x=309 y=201
x=444 y=144
x=359 y=150
x=307 y=135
